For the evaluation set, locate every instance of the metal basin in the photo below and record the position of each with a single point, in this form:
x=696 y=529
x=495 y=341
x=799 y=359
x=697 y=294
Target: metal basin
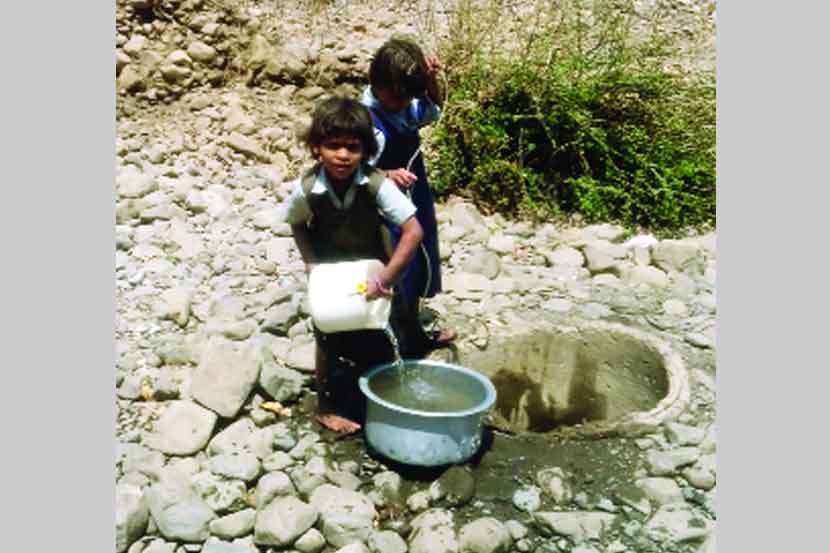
x=425 y=413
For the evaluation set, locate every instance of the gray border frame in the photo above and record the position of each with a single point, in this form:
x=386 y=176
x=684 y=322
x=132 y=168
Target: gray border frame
x=58 y=151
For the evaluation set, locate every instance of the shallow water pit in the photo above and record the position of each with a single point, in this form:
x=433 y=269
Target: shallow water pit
x=594 y=378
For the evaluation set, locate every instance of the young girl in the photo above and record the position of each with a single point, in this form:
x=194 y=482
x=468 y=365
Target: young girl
x=403 y=95
x=335 y=212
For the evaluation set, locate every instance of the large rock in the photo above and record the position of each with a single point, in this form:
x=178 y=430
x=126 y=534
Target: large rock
x=220 y=494
x=555 y=483
x=247 y=147
x=214 y=545
x=234 y=525
x=577 y=525
x=225 y=376
x=280 y=317
x=283 y=520
x=233 y=438
x=386 y=541
x=466 y=216
x=310 y=542
x=483 y=262
x=661 y=491
x=132 y=184
x=131 y=516
x=279 y=250
x=433 y=531
x=346 y=515
x=484 y=535
x=456 y=486
x=565 y=255
x=665 y=463
x=183 y=429
x=178 y=512
x=676 y=523
x=272 y=485
x=240 y=465
x=677 y=255
x=175 y=305
x=200 y=51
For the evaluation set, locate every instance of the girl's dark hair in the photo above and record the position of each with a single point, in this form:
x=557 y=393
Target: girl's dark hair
x=399 y=65
x=339 y=116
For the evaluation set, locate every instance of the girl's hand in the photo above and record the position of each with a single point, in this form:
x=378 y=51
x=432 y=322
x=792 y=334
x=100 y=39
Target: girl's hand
x=432 y=65
x=376 y=288
x=402 y=177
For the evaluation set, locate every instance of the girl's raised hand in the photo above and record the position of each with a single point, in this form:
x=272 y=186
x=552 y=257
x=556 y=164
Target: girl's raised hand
x=402 y=177
x=433 y=65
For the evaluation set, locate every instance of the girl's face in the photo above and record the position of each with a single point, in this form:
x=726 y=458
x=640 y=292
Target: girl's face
x=340 y=156
x=390 y=101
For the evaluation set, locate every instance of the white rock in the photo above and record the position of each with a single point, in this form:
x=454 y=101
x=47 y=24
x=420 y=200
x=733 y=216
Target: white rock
x=183 y=429
x=200 y=51
x=675 y=307
x=517 y=529
x=225 y=377
x=131 y=516
x=418 y=501
x=565 y=255
x=467 y=216
x=175 y=305
x=484 y=535
x=662 y=491
x=433 y=532
x=577 y=525
x=234 y=525
x=280 y=250
x=676 y=523
x=271 y=485
x=135 y=45
x=677 y=255
x=354 y=547
x=554 y=482
x=178 y=57
x=386 y=541
x=132 y=184
x=501 y=244
x=179 y=514
x=310 y=542
x=283 y=520
x=240 y=465
x=214 y=545
x=346 y=515
x=527 y=499
x=664 y=463
x=219 y=493
x=681 y=434
x=233 y=438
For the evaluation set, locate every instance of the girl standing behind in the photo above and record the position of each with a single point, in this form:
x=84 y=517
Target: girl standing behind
x=403 y=96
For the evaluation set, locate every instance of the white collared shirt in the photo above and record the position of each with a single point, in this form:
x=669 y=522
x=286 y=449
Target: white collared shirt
x=393 y=204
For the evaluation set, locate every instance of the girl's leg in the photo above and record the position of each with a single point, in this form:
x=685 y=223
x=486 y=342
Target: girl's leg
x=326 y=414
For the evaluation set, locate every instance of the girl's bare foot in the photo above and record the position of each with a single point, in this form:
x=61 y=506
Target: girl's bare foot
x=336 y=423
x=445 y=336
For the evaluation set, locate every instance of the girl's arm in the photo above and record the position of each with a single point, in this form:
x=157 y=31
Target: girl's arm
x=411 y=235
x=302 y=239
x=433 y=88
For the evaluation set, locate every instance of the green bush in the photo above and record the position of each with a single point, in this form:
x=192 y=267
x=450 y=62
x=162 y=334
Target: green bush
x=588 y=119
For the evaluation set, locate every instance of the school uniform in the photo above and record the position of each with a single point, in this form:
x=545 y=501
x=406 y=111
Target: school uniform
x=349 y=229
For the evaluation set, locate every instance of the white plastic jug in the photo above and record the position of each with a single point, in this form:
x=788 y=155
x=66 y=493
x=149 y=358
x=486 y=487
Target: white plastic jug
x=337 y=300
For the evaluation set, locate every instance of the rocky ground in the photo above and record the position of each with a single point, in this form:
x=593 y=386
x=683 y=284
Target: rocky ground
x=207 y=279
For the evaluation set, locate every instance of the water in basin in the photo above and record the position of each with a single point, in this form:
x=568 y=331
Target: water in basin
x=428 y=390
